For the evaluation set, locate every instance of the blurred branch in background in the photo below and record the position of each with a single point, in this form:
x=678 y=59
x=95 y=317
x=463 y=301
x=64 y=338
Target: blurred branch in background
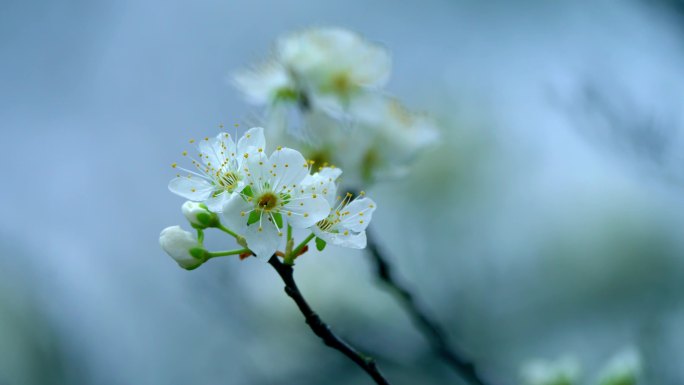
x=430 y=328
x=320 y=328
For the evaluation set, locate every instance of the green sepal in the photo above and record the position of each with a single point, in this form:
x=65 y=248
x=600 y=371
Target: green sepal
x=248 y=191
x=204 y=218
x=278 y=219
x=198 y=253
x=320 y=244
x=254 y=217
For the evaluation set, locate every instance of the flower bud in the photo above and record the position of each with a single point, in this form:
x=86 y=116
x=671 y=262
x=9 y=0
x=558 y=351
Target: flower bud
x=183 y=247
x=199 y=215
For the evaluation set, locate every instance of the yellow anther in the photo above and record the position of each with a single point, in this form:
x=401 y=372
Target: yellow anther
x=192 y=140
x=306 y=215
x=246 y=155
x=193 y=190
x=173 y=165
x=279 y=148
x=260 y=150
x=185 y=153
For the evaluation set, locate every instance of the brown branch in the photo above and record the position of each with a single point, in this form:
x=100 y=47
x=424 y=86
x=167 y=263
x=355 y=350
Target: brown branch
x=430 y=328
x=320 y=328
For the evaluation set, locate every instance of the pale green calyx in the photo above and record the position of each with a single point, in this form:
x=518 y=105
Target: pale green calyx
x=199 y=215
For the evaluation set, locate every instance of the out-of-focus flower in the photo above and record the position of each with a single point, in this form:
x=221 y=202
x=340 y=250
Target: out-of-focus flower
x=219 y=172
x=199 y=215
x=183 y=247
x=334 y=64
x=326 y=67
x=379 y=144
x=623 y=369
x=348 y=219
x=267 y=84
x=562 y=372
x=273 y=198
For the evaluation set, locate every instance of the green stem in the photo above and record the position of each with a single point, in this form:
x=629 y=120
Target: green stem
x=227 y=253
x=297 y=250
x=200 y=237
x=227 y=230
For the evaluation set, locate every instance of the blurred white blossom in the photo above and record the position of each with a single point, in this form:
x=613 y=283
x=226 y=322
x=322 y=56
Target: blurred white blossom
x=623 y=369
x=564 y=371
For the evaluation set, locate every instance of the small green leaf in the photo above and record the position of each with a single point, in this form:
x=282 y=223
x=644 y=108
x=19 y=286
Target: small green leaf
x=254 y=217
x=278 y=218
x=248 y=191
x=320 y=244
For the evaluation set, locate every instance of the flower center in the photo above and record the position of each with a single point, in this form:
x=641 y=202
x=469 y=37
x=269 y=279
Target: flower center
x=228 y=180
x=267 y=202
x=327 y=223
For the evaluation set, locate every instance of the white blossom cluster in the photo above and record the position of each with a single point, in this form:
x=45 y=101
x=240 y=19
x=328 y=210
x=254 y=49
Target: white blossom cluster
x=623 y=368
x=322 y=89
x=260 y=199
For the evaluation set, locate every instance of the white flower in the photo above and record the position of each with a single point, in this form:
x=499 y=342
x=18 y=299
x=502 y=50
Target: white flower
x=379 y=143
x=334 y=60
x=198 y=214
x=327 y=67
x=219 y=172
x=181 y=245
x=562 y=372
x=348 y=219
x=266 y=83
x=395 y=136
x=623 y=369
x=272 y=199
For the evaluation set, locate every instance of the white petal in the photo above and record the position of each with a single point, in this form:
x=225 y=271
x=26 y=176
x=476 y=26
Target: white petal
x=303 y=212
x=231 y=213
x=264 y=242
x=261 y=84
x=289 y=166
x=253 y=138
x=360 y=214
x=330 y=173
x=351 y=240
x=215 y=203
x=258 y=170
x=208 y=152
x=194 y=189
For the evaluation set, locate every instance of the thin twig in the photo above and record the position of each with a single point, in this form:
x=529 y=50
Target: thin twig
x=429 y=327
x=320 y=328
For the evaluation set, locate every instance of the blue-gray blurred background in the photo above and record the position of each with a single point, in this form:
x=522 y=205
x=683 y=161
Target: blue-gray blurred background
x=548 y=222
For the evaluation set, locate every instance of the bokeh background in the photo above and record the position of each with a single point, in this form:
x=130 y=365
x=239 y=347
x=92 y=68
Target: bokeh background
x=547 y=223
